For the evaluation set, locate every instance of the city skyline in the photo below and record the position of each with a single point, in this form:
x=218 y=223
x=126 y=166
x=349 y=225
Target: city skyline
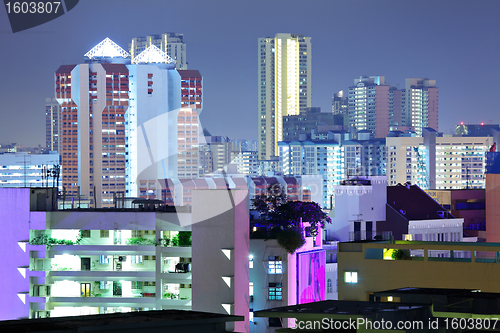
x=449 y=41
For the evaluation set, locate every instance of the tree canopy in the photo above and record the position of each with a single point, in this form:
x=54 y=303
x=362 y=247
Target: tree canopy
x=288 y=215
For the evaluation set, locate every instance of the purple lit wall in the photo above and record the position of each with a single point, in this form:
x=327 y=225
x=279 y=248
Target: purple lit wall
x=14 y=222
x=311 y=273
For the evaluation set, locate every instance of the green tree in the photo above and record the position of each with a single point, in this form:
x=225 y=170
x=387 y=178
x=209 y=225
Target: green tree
x=288 y=215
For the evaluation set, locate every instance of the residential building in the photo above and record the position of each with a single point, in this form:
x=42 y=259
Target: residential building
x=188 y=124
x=492 y=194
x=298 y=125
x=359 y=209
x=94 y=98
x=420 y=105
x=215 y=153
x=284 y=86
x=52 y=124
x=278 y=278
x=151 y=120
x=78 y=262
x=369 y=105
x=171 y=43
x=476 y=129
x=29 y=170
x=340 y=104
x=246 y=163
x=368 y=267
x=243 y=145
x=114 y=140
x=412 y=214
x=297 y=188
x=365 y=156
x=469 y=204
x=313 y=158
x=437 y=162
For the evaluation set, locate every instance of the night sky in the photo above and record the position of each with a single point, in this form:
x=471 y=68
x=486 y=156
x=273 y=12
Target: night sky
x=454 y=42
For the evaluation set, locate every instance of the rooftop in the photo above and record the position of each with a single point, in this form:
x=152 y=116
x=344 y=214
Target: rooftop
x=143 y=320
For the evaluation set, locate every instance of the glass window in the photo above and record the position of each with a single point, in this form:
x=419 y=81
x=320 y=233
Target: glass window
x=275 y=292
x=275 y=267
x=351 y=277
x=103 y=260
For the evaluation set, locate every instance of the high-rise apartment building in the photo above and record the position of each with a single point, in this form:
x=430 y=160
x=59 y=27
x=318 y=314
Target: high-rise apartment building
x=313 y=158
x=369 y=105
x=434 y=162
x=284 y=86
x=188 y=125
x=94 y=98
x=420 y=104
x=378 y=107
x=170 y=43
x=52 y=123
x=118 y=122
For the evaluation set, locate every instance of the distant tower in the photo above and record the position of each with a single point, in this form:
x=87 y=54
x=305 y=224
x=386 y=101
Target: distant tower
x=52 y=124
x=369 y=105
x=421 y=104
x=170 y=43
x=188 y=124
x=284 y=86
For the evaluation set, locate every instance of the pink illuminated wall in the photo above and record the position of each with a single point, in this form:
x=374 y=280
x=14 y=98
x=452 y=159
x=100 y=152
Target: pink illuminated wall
x=311 y=274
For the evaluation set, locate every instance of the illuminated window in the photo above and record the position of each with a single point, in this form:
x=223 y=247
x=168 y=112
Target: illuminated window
x=137 y=259
x=351 y=277
x=103 y=260
x=275 y=292
x=275 y=265
x=250 y=289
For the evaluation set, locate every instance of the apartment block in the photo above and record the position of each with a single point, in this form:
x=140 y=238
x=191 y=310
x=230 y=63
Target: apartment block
x=284 y=86
x=79 y=262
x=52 y=124
x=434 y=162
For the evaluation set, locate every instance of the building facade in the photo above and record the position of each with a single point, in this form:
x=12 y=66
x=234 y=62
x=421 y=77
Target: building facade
x=433 y=162
x=52 y=124
x=169 y=42
x=369 y=267
x=284 y=86
x=121 y=137
x=369 y=105
x=313 y=158
x=79 y=262
x=29 y=170
x=420 y=106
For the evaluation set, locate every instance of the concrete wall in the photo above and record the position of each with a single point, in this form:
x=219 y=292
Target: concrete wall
x=420 y=272
x=366 y=203
x=220 y=253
